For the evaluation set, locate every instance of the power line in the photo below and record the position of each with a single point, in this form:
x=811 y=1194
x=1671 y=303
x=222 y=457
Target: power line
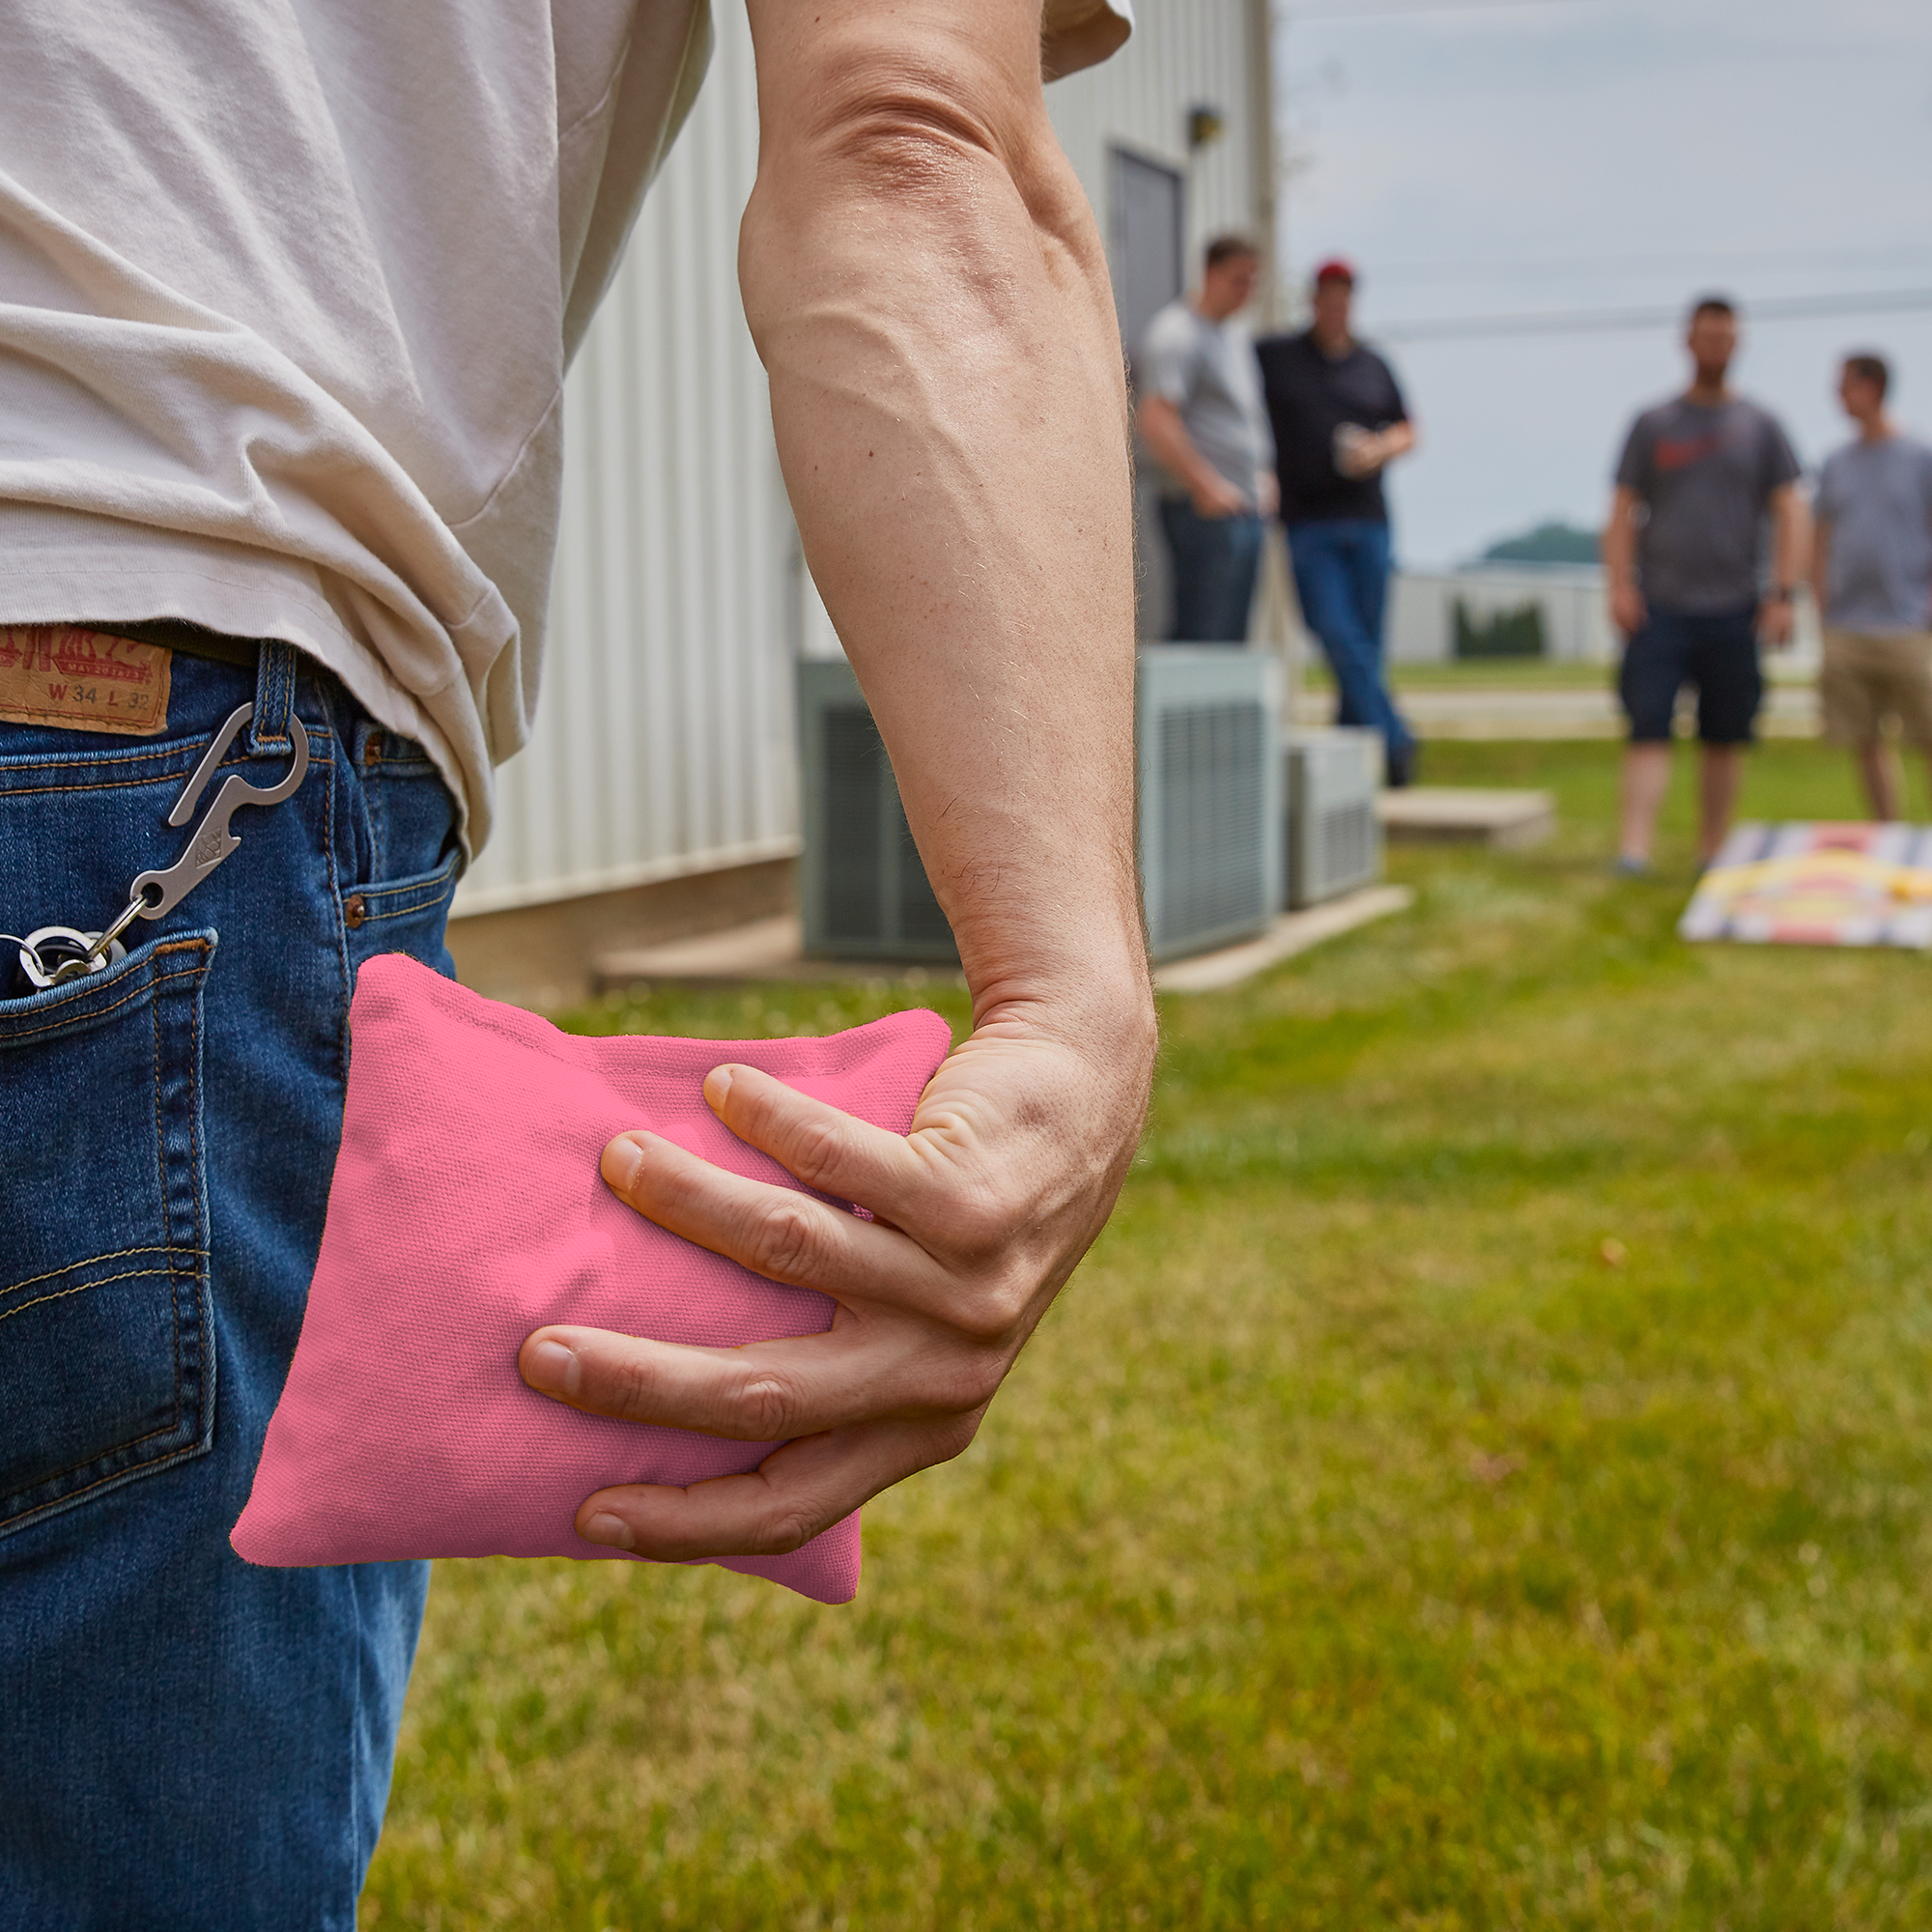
x=1580 y=322
x=1382 y=9
x=1545 y=265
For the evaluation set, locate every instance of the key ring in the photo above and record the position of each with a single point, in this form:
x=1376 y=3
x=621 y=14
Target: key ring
x=154 y=893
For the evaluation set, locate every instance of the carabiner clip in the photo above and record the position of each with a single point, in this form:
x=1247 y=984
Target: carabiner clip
x=158 y=893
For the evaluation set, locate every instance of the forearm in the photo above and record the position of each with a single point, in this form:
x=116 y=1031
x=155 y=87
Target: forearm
x=1166 y=436
x=1619 y=541
x=1788 y=550
x=929 y=295
x=1397 y=439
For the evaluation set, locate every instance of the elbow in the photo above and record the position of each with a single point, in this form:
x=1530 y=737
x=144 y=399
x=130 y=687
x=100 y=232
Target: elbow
x=948 y=144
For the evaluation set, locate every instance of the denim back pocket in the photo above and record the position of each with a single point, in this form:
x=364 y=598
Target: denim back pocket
x=106 y=1344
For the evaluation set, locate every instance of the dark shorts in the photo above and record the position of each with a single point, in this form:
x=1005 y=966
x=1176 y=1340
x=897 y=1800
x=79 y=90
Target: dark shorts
x=1716 y=651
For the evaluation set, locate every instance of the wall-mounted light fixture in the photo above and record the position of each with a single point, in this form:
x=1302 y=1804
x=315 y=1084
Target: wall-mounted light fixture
x=1204 y=124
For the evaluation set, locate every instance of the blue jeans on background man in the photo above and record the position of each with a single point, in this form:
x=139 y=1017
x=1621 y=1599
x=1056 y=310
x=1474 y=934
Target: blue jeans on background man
x=189 y=1740
x=1341 y=577
x=1214 y=562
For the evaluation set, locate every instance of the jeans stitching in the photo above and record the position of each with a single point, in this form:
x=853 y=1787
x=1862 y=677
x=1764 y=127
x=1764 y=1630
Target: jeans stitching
x=112 y=1255
x=200 y=1276
x=426 y=905
x=98 y=1012
x=113 y=1476
x=167 y=1219
x=443 y=877
x=81 y=1287
x=129 y=784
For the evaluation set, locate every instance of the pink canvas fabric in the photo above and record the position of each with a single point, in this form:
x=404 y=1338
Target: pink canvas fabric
x=465 y=1211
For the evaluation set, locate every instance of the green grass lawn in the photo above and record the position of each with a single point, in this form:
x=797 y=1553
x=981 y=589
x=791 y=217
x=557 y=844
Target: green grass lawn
x=1479 y=1480
x=1478 y=675
x=1521 y=674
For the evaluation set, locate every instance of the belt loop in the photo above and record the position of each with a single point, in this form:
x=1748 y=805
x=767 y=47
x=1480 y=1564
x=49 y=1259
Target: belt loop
x=275 y=672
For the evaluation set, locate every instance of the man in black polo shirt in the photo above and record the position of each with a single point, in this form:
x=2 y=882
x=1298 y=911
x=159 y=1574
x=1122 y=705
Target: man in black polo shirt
x=1338 y=418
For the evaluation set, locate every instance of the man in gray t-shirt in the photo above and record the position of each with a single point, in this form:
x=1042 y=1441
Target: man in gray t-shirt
x=1201 y=414
x=1871 y=570
x=1699 y=478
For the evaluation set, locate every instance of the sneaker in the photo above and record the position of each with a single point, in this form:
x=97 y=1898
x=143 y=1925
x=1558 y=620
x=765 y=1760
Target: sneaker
x=1399 y=767
x=1626 y=867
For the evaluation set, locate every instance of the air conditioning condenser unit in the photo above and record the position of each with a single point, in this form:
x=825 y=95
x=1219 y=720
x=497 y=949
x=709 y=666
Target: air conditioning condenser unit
x=863 y=893
x=1334 y=838
x=1210 y=778
x=1209 y=774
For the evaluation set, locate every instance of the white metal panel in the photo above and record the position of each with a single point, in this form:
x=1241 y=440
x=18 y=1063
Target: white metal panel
x=1422 y=610
x=1183 y=53
x=664 y=739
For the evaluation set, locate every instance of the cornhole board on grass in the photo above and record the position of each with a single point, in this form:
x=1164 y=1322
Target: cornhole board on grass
x=1817 y=885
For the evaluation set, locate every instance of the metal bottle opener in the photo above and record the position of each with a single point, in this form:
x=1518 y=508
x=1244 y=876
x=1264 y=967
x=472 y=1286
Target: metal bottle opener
x=56 y=953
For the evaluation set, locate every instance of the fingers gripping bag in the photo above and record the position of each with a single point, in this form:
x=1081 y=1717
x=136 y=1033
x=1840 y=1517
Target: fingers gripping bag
x=466 y=1209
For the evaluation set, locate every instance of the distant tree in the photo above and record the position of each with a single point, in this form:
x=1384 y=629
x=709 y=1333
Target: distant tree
x=1547 y=543
x=1503 y=634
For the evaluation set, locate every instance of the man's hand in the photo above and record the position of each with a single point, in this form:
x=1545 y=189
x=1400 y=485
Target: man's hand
x=1628 y=609
x=1208 y=490
x=1790 y=545
x=1016 y=1155
x=1628 y=612
x=1368 y=451
x=1213 y=496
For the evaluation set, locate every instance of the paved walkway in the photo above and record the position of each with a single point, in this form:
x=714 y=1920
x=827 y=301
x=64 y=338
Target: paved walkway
x=1790 y=711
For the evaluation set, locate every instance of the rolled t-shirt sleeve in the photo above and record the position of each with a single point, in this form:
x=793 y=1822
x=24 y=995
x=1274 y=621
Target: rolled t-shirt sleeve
x=1398 y=403
x=1078 y=34
x=1634 y=467
x=1780 y=460
x=1165 y=365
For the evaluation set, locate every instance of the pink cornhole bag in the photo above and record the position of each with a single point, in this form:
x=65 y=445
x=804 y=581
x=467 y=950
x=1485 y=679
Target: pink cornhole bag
x=466 y=1209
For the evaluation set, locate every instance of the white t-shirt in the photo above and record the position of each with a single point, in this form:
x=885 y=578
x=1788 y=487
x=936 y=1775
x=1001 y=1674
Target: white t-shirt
x=286 y=291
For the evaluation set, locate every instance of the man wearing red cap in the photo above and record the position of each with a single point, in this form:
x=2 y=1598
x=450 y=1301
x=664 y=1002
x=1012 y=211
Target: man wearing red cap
x=1338 y=417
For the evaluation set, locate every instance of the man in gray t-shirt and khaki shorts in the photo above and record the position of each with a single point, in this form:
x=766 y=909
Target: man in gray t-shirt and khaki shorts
x=1700 y=475
x=1871 y=571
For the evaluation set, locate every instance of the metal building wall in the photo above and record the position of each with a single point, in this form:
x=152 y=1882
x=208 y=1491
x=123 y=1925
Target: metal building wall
x=663 y=736
x=1183 y=54
x=663 y=742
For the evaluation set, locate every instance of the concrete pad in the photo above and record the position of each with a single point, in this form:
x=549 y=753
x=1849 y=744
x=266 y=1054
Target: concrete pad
x=769 y=949
x=1467 y=814
x=764 y=949
x=1492 y=713
x=1291 y=933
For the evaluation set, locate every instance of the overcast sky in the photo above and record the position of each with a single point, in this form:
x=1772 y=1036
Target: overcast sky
x=1581 y=155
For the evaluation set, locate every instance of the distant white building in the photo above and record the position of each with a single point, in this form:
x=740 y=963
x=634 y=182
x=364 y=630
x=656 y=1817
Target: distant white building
x=658 y=795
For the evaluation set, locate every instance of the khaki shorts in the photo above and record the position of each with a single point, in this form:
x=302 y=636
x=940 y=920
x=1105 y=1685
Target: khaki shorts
x=1868 y=678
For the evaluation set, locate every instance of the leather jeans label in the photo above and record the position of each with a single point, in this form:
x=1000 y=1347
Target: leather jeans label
x=82 y=680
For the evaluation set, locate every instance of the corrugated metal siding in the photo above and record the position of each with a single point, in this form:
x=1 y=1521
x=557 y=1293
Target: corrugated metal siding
x=663 y=736
x=1184 y=53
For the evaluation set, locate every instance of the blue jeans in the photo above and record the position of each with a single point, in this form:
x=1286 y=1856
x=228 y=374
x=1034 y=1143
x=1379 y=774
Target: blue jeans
x=1214 y=562
x=189 y=1741
x=1341 y=577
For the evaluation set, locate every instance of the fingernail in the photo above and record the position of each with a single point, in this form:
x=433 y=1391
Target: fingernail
x=603 y=1527
x=623 y=1160
x=718 y=1086
x=554 y=1369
